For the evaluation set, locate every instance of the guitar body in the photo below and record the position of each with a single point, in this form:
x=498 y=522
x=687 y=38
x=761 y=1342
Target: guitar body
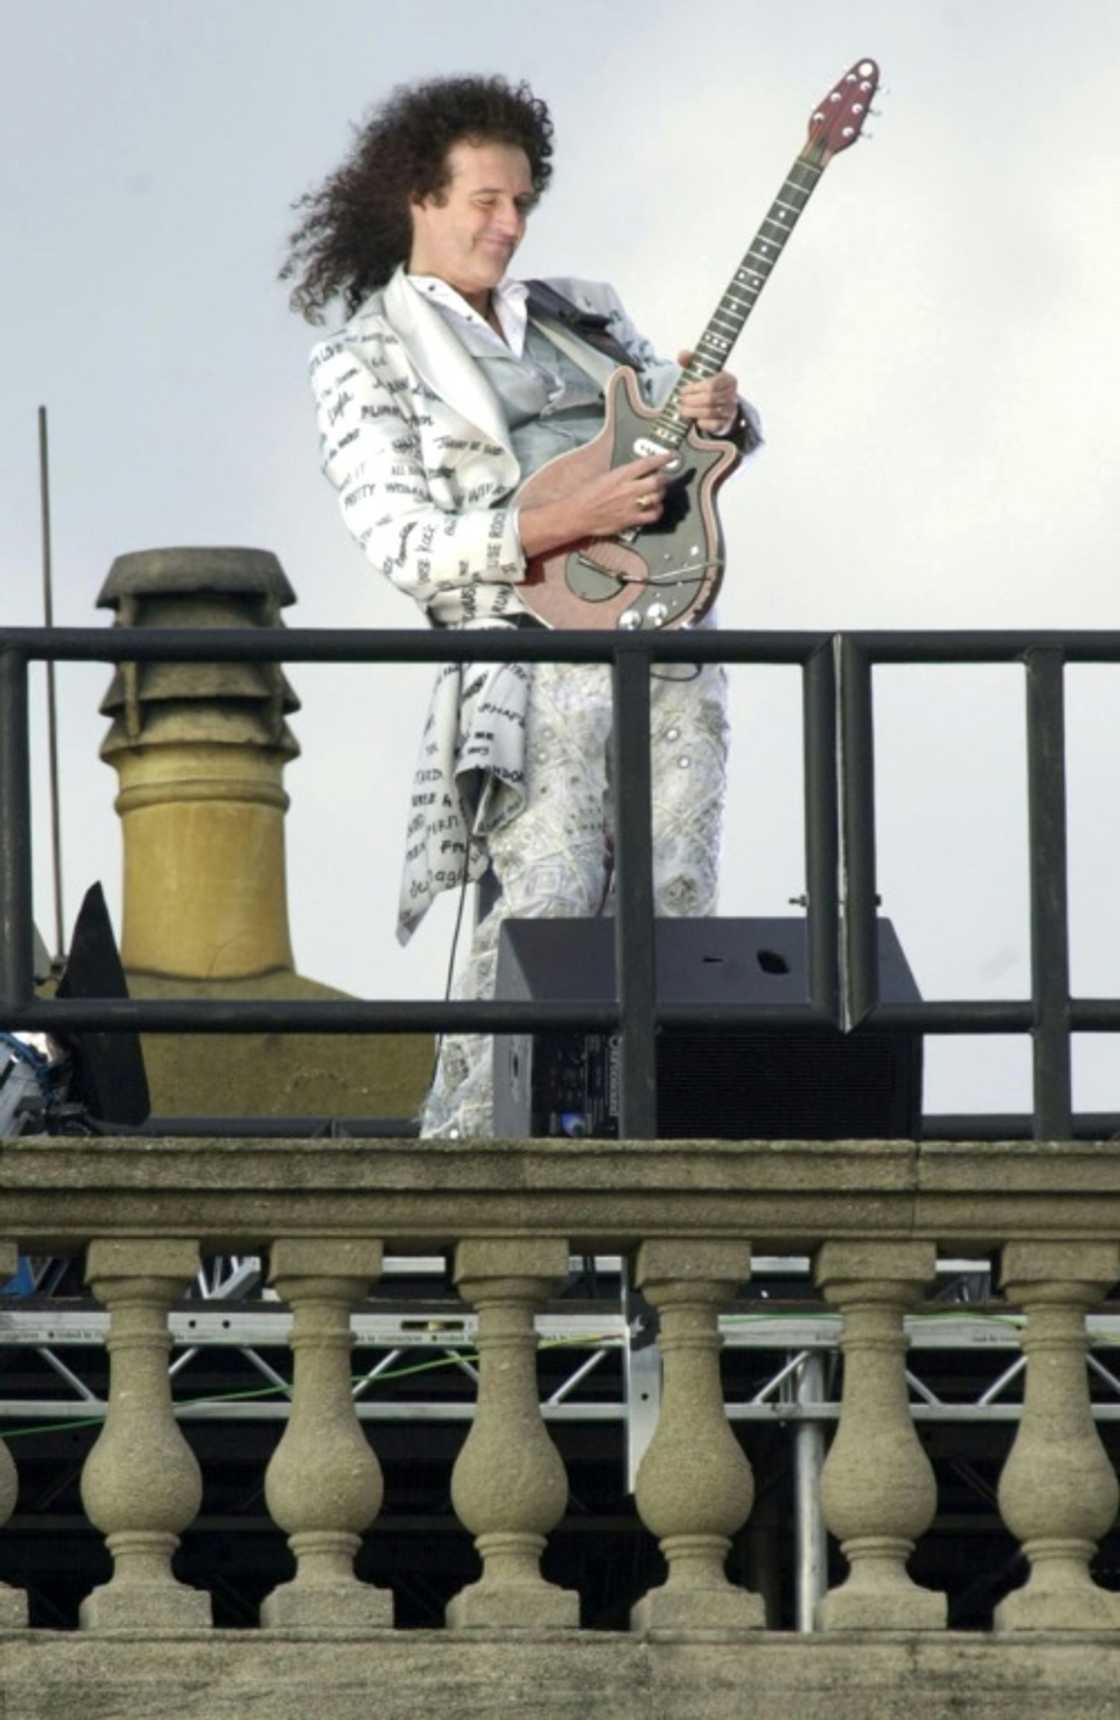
x=662 y=575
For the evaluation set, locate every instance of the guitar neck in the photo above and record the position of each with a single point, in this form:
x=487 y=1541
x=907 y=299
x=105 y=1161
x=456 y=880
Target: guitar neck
x=741 y=294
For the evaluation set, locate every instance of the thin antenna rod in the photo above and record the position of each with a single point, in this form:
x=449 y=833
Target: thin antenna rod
x=52 y=710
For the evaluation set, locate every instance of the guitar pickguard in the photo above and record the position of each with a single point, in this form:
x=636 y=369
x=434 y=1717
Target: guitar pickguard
x=664 y=574
x=589 y=573
x=668 y=564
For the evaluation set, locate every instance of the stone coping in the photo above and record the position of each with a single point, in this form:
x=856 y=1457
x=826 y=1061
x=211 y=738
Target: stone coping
x=476 y=1675
x=56 y=1193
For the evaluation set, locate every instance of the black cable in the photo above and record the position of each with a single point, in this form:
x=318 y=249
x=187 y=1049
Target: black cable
x=463 y=888
x=440 y=1037
x=608 y=880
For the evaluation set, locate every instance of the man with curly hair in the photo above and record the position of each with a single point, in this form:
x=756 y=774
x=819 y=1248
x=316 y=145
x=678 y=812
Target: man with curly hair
x=449 y=385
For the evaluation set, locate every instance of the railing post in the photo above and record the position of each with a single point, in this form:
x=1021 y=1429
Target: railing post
x=1046 y=779
x=509 y=1486
x=13 y=1601
x=323 y=1484
x=16 y=924
x=857 y=763
x=822 y=849
x=877 y=1489
x=141 y=1484
x=1058 y=1493
x=694 y=1487
x=634 y=929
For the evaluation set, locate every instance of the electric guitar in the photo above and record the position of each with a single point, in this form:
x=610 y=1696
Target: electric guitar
x=667 y=574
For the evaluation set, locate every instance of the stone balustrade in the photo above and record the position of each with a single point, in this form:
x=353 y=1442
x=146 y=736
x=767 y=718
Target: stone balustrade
x=873 y=1216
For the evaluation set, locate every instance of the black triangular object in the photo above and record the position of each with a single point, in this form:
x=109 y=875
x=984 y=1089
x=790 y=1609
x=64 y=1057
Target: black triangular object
x=108 y=1078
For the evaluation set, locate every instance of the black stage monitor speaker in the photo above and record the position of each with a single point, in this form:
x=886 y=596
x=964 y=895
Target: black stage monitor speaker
x=799 y=1082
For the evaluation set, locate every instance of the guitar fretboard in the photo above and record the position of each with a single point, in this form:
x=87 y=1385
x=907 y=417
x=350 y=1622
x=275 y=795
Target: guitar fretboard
x=726 y=322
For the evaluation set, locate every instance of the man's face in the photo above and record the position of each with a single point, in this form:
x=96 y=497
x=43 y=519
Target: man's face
x=468 y=237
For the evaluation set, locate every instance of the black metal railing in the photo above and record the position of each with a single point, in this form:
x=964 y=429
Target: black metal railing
x=842 y=927
x=1050 y=1015
x=637 y=1013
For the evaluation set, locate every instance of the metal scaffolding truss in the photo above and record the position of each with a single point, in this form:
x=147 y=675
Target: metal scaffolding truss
x=405 y=1342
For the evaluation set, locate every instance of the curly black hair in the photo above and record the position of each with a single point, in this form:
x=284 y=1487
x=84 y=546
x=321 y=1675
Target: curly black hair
x=357 y=226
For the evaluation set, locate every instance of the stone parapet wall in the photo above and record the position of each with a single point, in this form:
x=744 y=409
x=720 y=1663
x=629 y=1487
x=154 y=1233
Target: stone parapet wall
x=873 y=1217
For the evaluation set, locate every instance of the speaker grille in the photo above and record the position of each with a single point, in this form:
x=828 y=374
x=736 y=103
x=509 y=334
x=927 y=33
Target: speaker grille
x=757 y=1086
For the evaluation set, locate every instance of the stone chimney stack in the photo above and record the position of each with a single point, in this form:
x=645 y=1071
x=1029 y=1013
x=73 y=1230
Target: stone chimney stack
x=199 y=750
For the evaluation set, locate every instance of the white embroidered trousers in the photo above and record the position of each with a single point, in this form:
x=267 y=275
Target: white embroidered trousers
x=553 y=859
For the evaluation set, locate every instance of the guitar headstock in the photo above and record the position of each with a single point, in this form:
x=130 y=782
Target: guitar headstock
x=837 y=121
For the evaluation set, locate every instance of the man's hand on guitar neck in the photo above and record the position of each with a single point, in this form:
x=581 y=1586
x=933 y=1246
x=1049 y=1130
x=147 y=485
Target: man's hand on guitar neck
x=624 y=496
x=713 y=403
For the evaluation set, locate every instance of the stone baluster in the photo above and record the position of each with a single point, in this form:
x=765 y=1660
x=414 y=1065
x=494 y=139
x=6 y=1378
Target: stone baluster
x=141 y=1484
x=1058 y=1493
x=878 y=1491
x=694 y=1487
x=508 y=1486
x=323 y=1484
x=13 y=1602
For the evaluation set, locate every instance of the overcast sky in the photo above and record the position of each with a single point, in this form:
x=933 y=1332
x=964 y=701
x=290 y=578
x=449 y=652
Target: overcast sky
x=934 y=361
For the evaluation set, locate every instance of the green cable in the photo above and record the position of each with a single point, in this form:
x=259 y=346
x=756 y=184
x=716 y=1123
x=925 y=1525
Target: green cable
x=1013 y=1320
x=270 y=1391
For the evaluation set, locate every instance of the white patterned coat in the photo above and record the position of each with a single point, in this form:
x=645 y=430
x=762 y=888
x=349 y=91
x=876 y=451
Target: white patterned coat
x=414 y=440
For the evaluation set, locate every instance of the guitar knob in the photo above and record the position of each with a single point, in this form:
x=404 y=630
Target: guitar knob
x=629 y=619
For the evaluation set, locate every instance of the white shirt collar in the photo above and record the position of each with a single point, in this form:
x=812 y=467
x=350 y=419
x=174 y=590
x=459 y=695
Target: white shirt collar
x=509 y=300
